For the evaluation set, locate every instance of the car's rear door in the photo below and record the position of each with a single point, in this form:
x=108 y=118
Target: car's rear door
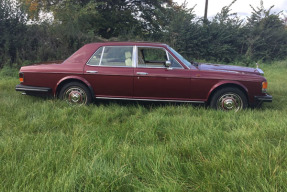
x=110 y=72
x=154 y=81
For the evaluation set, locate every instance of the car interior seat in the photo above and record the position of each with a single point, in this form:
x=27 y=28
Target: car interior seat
x=128 y=60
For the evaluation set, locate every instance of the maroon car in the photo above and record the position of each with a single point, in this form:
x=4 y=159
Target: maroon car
x=144 y=71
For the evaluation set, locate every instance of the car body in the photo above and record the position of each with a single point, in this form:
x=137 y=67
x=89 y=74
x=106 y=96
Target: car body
x=144 y=71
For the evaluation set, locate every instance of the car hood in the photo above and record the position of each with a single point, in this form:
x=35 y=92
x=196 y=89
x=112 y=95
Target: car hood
x=228 y=68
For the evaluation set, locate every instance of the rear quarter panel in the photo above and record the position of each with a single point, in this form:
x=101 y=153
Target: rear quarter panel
x=49 y=75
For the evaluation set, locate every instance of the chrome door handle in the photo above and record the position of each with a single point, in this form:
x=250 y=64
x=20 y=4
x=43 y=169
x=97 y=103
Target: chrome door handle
x=142 y=73
x=92 y=71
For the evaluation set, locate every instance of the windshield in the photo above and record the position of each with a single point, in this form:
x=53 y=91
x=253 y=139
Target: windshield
x=181 y=58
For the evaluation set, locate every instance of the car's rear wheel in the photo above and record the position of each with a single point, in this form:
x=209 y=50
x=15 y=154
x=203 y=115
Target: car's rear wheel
x=229 y=99
x=75 y=93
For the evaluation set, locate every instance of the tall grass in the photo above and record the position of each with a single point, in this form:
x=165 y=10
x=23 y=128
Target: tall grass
x=47 y=145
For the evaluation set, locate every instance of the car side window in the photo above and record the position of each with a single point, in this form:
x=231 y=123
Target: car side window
x=151 y=57
x=174 y=62
x=113 y=56
x=96 y=58
x=155 y=58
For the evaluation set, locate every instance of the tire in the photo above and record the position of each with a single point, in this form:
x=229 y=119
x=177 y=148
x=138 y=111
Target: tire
x=76 y=93
x=229 y=99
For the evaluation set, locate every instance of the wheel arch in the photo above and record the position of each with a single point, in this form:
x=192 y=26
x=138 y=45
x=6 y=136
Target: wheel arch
x=222 y=85
x=69 y=79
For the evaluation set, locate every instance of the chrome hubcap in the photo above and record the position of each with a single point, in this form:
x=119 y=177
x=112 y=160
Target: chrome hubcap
x=230 y=101
x=75 y=95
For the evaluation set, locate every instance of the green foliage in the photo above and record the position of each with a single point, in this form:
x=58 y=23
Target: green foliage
x=224 y=38
x=267 y=35
x=47 y=145
x=12 y=30
x=107 y=18
x=9 y=72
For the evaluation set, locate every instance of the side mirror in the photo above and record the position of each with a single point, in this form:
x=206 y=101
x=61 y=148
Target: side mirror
x=167 y=64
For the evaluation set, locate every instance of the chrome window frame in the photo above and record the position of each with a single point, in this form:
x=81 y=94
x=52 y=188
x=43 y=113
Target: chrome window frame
x=102 y=56
x=135 y=58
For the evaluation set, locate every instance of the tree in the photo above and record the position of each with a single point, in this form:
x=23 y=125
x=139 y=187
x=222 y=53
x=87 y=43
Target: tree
x=107 y=18
x=267 y=37
x=181 y=31
x=12 y=28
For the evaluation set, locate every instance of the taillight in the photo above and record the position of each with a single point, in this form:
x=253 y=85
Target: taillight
x=264 y=86
x=21 y=77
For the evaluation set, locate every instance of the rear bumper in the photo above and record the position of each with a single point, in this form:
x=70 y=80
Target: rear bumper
x=32 y=89
x=265 y=98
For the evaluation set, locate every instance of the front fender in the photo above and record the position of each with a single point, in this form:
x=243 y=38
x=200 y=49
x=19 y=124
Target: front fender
x=226 y=83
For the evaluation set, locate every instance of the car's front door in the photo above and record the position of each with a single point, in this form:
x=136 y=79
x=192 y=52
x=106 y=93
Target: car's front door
x=154 y=81
x=110 y=71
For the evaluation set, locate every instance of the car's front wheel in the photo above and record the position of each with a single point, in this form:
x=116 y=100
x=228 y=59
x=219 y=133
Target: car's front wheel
x=229 y=99
x=75 y=93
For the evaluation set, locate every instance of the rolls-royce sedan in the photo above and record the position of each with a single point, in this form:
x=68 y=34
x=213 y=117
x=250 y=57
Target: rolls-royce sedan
x=144 y=71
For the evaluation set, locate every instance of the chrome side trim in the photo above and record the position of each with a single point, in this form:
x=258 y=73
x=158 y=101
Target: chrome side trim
x=163 y=100
x=111 y=66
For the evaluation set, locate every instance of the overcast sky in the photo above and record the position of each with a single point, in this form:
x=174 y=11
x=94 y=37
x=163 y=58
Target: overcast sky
x=240 y=6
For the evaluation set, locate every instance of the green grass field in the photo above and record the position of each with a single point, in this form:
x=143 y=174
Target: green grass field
x=47 y=145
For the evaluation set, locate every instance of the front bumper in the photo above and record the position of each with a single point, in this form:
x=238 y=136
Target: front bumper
x=265 y=98
x=32 y=89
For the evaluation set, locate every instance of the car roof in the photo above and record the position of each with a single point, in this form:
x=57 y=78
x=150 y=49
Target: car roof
x=126 y=43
